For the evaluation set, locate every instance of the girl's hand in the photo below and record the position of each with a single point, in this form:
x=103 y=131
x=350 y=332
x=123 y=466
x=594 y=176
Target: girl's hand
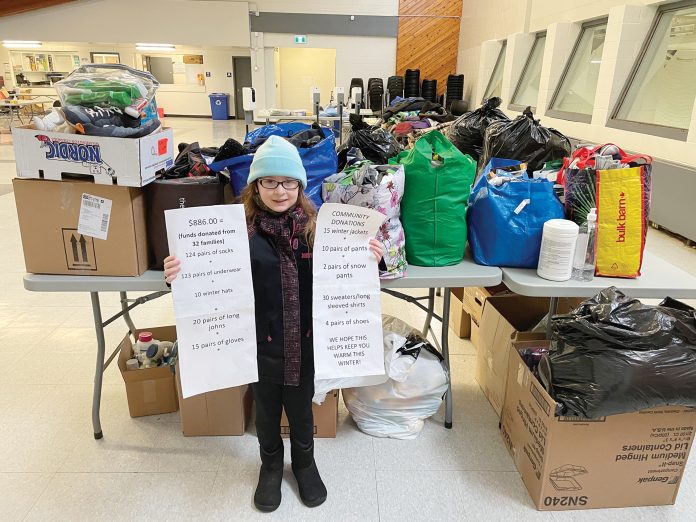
x=171 y=268
x=377 y=249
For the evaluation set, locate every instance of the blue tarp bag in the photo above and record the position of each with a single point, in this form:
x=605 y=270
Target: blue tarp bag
x=320 y=160
x=284 y=130
x=505 y=222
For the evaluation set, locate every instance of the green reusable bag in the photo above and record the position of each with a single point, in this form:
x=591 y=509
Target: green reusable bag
x=433 y=209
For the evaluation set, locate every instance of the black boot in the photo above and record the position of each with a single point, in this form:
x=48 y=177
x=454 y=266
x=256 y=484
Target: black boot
x=267 y=496
x=312 y=489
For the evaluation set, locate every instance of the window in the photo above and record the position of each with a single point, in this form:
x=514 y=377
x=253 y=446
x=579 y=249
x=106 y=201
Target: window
x=105 y=57
x=575 y=94
x=495 y=84
x=527 y=90
x=659 y=95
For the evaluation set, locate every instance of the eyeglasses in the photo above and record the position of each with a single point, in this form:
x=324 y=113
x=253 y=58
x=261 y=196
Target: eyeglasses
x=272 y=184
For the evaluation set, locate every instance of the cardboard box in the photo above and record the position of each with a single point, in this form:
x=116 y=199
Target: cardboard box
x=150 y=391
x=49 y=213
x=459 y=320
x=474 y=299
x=506 y=318
x=129 y=162
x=222 y=412
x=635 y=459
x=503 y=317
x=325 y=418
x=474 y=333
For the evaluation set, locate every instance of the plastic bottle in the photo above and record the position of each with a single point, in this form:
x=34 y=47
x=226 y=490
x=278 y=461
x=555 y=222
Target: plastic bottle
x=141 y=346
x=584 y=257
x=143 y=343
x=557 y=249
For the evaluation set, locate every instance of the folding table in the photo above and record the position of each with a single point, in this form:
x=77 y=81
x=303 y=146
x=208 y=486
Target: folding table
x=466 y=273
x=659 y=279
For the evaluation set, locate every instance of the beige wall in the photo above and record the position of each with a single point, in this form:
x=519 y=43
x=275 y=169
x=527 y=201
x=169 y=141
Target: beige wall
x=153 y=21
x=355 y=7
x=485 y=24
x=175 y=99
x=302 y=69
x=363 y=57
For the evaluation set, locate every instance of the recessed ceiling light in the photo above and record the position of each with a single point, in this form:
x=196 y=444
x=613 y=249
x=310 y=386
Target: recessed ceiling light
x=21 y=44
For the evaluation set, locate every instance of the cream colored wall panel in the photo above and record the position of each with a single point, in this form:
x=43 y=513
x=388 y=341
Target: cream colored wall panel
x=354 y=7
x=489 y=55
x=351 y=58
x=519 y=46
x=302 y=69
x=627 y=29
x=560 y=40
x=158 y=21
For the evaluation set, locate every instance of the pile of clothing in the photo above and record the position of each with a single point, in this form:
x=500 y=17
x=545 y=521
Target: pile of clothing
x=104 y=100
x=407 y=118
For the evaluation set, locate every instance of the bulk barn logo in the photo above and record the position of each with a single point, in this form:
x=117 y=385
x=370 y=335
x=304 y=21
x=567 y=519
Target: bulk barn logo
x=85 y=153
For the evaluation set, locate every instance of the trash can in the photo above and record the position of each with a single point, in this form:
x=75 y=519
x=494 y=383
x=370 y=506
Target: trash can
x=218 y=105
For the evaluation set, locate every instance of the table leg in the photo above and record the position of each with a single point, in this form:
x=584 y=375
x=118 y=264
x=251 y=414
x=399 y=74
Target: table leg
x=431 y=310
x=553 y=309
x=99 y=371
x=126 y=313
x=445 y=354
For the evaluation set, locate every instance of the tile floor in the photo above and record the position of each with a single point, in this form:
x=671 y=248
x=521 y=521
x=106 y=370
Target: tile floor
x=51 y=468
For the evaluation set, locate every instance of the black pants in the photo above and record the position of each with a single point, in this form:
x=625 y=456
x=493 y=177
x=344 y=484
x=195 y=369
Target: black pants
x=270 y=399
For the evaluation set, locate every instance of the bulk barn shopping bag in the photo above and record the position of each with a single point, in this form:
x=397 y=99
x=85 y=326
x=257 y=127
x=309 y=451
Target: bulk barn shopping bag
x=622 y=198
x=433 y=210
x=379 y=187
x=506 y=221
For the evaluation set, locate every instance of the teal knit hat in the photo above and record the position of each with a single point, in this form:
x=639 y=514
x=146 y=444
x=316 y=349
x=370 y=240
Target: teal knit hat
x=277 y=157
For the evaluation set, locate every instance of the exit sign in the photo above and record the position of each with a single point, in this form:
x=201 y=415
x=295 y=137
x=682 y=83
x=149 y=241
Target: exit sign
x=300 y=38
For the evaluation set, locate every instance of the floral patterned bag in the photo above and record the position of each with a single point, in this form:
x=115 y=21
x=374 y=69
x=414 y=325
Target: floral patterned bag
x=379 y=187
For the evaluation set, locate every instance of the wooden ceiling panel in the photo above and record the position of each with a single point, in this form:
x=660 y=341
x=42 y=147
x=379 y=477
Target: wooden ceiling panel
x=13 y=7
x=431 y=7
x=428 y=44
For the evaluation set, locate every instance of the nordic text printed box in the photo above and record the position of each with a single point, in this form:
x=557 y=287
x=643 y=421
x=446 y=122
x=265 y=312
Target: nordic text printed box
x=129 y=162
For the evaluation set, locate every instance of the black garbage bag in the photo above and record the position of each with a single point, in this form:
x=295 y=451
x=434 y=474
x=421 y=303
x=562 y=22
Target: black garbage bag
x=375 y=143
x=466 y=133
x=230 y=149
x=523 y=139
x=615 y=355
x=308 y=138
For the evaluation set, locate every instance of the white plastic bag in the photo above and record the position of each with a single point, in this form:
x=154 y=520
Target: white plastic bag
x=413 y=392
x=324 y=386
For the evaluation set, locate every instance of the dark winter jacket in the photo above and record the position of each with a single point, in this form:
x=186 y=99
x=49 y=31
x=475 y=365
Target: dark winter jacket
x=266 y=274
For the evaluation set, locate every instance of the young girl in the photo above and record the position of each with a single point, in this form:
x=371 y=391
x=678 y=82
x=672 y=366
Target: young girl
x=281 y=224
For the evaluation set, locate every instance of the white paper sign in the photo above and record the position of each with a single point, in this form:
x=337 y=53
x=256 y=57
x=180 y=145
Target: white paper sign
x=213 y=298
x=95 y=214
x=347 y=309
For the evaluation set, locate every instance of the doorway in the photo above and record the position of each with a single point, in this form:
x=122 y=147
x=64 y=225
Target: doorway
x=161 y=68
x=241 y=65
x=299 y=70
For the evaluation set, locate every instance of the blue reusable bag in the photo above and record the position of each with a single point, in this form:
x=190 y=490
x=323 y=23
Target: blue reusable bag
x=506 y=222
x=284 y=130
x=320 y=161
